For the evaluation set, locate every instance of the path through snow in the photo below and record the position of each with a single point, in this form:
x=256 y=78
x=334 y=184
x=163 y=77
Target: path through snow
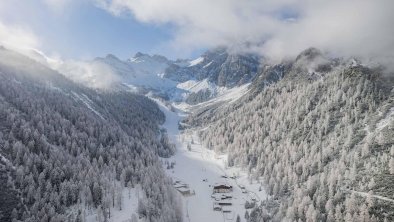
x=365 y=194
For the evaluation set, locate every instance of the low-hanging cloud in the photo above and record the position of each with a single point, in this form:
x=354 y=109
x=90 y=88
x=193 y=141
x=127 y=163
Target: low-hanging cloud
x=93 y=74
x=275 y=28
x=17 y=37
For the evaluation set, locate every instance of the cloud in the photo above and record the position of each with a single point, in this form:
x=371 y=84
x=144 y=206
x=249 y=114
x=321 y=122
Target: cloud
x=17 y=37
x=93 y=74
x=13 y=35
x=277 y=28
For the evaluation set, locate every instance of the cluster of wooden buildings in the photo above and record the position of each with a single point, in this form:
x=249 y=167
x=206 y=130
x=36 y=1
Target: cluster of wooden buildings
x=225 y=207
x=223 y=204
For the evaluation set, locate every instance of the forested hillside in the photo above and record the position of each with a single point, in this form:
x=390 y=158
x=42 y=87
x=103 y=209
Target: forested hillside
x=65 y=149
x=321 y=138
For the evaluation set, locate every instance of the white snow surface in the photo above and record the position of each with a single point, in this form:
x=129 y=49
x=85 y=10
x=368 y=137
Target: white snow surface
x=148 y=72
x=230 y=94
x=198 y=164
x=195 y=86
x=207 y=65
x=196 y=61
x=222 y=94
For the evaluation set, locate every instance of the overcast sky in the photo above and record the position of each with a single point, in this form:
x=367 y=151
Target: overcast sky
x=183 y=28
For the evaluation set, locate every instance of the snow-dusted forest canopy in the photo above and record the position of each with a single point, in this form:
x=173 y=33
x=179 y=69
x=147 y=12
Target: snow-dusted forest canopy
x=321 y=140
x=314 y=133
x=196 y=111
x=66 y=149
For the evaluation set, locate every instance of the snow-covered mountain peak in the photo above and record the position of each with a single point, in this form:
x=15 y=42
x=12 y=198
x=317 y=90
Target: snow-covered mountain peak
x=141 y=57
x=309 y=54
x=140 y=54
x=160 y=58
x=112 y=57
x=140 y=71
x=312 y=61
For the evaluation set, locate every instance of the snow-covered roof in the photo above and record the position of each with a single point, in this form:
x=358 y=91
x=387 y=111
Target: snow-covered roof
x=180 y=185
x=183 y=189
x=222 y=186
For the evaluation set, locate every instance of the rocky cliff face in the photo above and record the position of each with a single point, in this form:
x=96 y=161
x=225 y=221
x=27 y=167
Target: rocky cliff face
x=219 y=67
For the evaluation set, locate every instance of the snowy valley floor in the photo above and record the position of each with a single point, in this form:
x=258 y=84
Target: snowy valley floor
x=200 y=169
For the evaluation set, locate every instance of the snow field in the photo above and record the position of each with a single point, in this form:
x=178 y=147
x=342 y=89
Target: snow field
x=201 y=168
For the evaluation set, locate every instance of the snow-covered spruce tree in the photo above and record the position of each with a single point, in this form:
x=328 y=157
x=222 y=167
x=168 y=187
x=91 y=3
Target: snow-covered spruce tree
x=314 y=138
x=66 y=149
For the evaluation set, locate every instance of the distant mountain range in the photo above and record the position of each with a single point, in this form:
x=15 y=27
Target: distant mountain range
x=175 y=80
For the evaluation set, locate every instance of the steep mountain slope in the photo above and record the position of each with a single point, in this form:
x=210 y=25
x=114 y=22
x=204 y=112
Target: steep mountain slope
x=320 y=136
x=142 y=70
x=219 y=67
x=67 y=151
x=309 y=65
x=212 y=72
